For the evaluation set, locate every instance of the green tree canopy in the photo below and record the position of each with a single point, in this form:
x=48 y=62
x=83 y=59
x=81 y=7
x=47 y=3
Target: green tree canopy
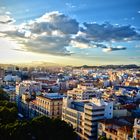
x=3 y=95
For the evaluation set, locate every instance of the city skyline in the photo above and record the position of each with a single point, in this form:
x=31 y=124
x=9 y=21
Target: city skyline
x=70 y=32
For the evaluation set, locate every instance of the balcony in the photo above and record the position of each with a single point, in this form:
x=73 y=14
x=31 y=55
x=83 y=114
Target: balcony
x=88 y=117
x=98 y=112
x=88 y=133
x=88 y=122
x=89 y=107
x=88 y=112
x=98 y=118
x=90 y=128
x=111 y=130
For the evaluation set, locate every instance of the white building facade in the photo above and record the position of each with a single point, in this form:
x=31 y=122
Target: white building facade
x=84 y=115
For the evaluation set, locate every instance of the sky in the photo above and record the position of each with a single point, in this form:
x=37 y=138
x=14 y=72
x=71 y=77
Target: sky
x=70 y=32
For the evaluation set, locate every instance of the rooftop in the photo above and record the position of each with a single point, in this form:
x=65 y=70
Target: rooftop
x=122 y=121
x=52 y=96
x=79 y=105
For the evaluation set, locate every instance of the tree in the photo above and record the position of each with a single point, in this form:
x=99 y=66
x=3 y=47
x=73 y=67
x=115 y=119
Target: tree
x=39 y=128
x=7 y=115
x=103 y=138
x=3 y=95
x=51 y=129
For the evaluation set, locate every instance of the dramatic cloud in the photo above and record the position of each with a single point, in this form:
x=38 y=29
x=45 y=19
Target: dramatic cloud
x=55 y=21
x=48 y=44
x=41 y=43
x=53 y=33
x=110 y=49
x=49 y=34
x=108 y=32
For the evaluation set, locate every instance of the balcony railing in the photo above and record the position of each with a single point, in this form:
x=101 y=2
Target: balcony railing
x=111 y=130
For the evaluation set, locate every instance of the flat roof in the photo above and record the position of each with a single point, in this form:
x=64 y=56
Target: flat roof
x=52 y=96
x=121 y=121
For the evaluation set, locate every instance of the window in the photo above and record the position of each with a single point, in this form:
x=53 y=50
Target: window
x=100 y=126
x=138 y=131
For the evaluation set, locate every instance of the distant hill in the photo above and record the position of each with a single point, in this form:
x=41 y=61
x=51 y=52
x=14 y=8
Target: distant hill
x=32 y=64
x=131 y=66
x=50 y=64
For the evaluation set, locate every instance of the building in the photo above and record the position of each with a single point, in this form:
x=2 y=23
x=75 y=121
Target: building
x=49 y=104
x=83 y=115
x=2 y=73
x=31 y=86
x=116 y=129
x=46 y=80
x=136 y=127
x=83 y=92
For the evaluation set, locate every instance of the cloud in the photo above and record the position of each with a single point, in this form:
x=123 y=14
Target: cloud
x=48 y=44
x=83 y=43
x=54 y=32
x=8 y=13
x=48 y=34
x=110 y=49
x=54 y=21
x=6 y=23
x=21 y=50
x=5 y=19
x=109 y=32
x=69 y=5
x=41 y=43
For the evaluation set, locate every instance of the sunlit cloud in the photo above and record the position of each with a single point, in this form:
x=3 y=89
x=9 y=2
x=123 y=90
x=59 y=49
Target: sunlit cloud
x=54 y=32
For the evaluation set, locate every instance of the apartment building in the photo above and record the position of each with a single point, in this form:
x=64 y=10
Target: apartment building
x=2 y=73
x=26 y=87
x=83 y=92
x=136 y=127
x=30 y=86
x=116 y=128
x=84 y=115
x=49 y=104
